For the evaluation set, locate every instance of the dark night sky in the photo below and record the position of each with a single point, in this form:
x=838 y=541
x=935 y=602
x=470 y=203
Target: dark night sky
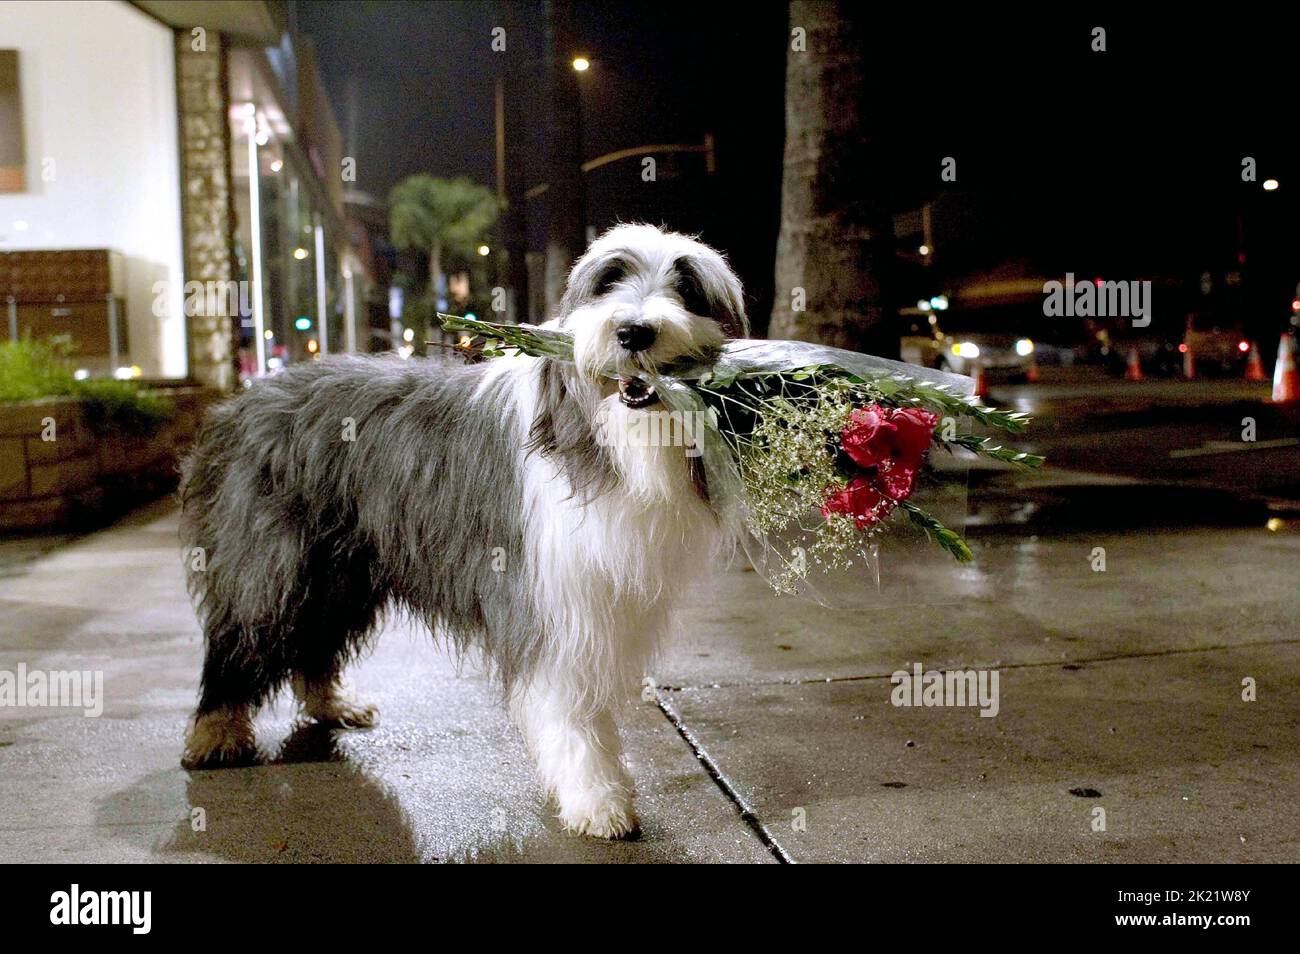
x=1127 y=159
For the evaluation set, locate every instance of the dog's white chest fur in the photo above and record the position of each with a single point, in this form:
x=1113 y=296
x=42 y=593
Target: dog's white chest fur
x=608 y=569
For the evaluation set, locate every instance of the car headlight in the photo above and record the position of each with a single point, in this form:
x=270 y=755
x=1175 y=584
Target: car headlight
x=966 y=349
x=1024 y=347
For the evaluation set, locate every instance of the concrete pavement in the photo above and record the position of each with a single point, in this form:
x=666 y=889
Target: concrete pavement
x=1123 y=687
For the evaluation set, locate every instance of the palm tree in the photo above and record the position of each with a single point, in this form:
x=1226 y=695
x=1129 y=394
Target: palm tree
x=836 y=232
x=443 y=217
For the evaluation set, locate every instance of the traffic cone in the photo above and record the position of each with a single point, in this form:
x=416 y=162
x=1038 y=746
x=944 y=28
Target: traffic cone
x=1286 y=380
x=981 y=384
x=1255 y=365
x=1134 y=370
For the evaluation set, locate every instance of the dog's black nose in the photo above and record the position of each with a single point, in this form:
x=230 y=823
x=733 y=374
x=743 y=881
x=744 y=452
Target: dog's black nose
x=635 y=335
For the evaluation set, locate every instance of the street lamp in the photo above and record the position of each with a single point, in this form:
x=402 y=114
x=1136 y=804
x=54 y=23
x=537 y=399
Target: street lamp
x=581 y=64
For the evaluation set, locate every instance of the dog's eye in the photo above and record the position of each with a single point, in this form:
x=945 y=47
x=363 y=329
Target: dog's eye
x=691 y=289
x=609 y=276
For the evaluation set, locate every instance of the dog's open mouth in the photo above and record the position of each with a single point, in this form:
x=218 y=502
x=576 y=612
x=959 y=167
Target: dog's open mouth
x=635 y=393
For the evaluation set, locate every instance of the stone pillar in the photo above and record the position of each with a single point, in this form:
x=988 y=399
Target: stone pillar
x=208 y=219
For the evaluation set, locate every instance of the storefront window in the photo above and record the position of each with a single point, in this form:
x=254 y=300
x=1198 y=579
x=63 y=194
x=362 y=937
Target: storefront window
x=286 y=249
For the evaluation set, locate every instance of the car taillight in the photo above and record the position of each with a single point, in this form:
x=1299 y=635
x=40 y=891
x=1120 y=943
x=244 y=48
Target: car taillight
x=1243 y=346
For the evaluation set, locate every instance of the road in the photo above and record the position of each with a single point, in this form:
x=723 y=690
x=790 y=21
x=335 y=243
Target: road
x=1208 y=432
x=1121 y=735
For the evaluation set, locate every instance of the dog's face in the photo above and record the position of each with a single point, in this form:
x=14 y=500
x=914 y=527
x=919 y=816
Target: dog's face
x=640 y=298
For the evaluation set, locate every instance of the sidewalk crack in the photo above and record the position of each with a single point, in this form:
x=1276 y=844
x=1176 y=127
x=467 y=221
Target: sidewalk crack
x=747 y=813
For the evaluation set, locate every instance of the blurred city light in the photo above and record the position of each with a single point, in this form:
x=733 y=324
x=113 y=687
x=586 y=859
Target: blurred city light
x=484 y=250
x=300 y=253
x=312 y=346
x=408 y=334
x=939 y=302
x=302 y=323
x=581 y=64
x=966 y=349
x=1270 y=185
x=1024 y=347
x=924 y=250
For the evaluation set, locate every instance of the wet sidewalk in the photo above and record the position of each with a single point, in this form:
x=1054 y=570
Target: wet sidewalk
x=772 y=734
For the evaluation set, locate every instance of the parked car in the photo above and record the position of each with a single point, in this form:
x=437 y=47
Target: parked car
x=997 y=339
x=1218 y=345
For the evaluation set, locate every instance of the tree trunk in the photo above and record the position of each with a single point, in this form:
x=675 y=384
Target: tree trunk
x=514 y=217
x=565 y=202
x=836 y=236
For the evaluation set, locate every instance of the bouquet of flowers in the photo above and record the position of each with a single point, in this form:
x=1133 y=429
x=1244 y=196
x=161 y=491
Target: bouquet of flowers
x=812 y=450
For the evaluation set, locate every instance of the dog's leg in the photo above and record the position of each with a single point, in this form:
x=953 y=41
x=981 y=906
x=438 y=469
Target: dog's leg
x=326 y=700
x=233 y=686
x=220 y=737
x=579 y=759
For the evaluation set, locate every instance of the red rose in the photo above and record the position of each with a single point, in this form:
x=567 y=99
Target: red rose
x=861 y=501
x=895 y=478
x=913 y=430
x=867 y=438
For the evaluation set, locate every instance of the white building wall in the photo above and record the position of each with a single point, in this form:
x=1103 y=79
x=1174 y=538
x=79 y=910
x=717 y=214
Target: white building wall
x=98 y=83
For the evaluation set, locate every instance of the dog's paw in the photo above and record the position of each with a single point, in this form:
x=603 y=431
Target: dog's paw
x=220 y=739
x=344 y=713
x=610 y=816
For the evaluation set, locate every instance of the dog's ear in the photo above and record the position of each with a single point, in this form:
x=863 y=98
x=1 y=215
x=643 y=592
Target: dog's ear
x=711 y=289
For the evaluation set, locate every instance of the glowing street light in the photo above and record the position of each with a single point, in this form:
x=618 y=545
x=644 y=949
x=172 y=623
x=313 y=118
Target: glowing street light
x=1270 y=185
x=484 y=250
x=581 y=64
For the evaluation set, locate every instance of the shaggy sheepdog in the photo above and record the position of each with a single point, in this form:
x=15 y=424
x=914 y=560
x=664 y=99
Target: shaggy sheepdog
x=503 y=503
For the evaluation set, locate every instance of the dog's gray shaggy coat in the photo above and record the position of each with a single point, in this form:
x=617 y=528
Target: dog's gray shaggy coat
x=306 y=536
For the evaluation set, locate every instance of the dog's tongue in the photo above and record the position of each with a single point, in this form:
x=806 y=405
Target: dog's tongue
x=635 y=393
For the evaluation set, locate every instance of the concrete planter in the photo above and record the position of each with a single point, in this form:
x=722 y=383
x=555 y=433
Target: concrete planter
x=56 y=473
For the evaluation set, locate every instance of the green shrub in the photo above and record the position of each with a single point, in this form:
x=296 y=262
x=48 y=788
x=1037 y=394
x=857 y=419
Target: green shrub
x=33 y=369
x=123 y=406
x=36 y=369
